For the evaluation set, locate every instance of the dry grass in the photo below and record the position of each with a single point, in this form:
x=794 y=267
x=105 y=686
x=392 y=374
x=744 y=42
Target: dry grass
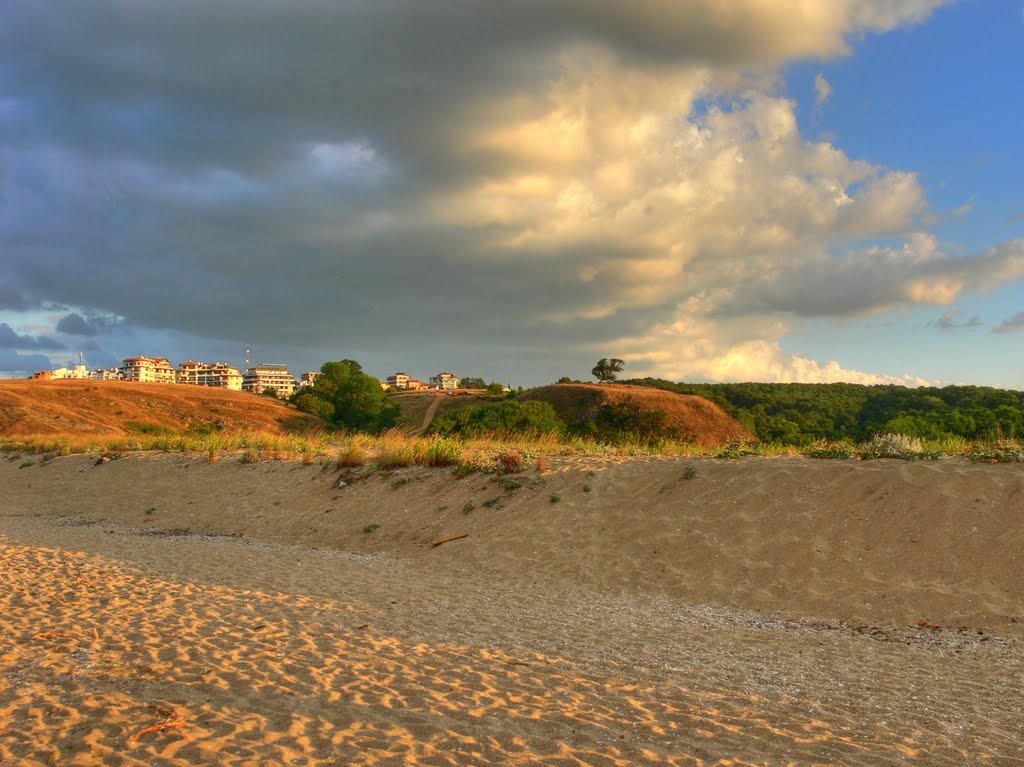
x=502 y=453
x=688 y=414
x=105 y=408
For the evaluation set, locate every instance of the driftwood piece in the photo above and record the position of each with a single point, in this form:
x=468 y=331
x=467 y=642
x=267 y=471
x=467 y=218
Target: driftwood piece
x=450 y=538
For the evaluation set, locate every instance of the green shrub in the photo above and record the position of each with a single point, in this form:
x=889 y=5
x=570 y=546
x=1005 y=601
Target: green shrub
x=509 y=417
x=443 y=452
x=371 y=527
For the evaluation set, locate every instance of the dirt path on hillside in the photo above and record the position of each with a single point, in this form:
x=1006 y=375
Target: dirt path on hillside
x=429 y=415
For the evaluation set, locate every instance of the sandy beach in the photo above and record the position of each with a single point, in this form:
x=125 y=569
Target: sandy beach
x=164 y=609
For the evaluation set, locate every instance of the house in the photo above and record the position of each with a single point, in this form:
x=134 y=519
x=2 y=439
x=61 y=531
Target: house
x=444 y=381
x=105 y=374
x=217 y=374
x=79 y=371
x=148 y=370
x=308 y=379
x=415 y=385
x=43 y=375
x=269 y=376
x=399 y=380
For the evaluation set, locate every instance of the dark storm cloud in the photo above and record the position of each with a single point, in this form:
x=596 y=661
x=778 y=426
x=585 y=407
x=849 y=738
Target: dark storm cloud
x=75 y=324
x=11 y=298
x=22 y=364
x=11 y=340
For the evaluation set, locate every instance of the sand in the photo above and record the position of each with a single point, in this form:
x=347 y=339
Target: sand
x=764 y=612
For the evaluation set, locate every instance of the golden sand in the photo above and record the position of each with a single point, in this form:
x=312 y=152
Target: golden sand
x=651 y=619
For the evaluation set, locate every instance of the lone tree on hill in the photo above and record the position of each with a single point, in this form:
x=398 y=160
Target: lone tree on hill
x=606 y=371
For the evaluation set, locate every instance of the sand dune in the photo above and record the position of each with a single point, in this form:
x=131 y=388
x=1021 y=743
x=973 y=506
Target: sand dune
x=763 y=612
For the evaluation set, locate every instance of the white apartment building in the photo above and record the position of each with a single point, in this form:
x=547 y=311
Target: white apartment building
x=217 y=374
x=269 y=376
x=444 y=381
x=147 y=370
x=79 y=371
x=399 y=381
x=308 y=379
x=105 y=374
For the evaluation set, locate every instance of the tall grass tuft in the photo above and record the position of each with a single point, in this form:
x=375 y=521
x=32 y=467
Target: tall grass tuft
x=442 y=451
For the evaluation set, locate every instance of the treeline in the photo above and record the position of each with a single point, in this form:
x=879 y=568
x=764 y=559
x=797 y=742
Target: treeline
x=799 y=414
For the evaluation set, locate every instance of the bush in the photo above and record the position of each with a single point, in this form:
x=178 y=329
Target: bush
x=443 y=452
x=891 y=446
x=507 y=417
x=511 y=462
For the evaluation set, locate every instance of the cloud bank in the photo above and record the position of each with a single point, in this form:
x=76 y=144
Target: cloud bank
x=547 y=181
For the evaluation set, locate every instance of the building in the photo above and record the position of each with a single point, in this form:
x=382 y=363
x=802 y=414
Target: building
x=444 y=381
x=43 y=375
x=147 y=370
x=399 y=381
x=308 y=379
x=269 y=376
x=414 y=385
x=217 y=374
x=78 y=371
x=105 y=374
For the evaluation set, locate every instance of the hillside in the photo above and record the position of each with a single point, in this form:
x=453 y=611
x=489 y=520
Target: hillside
x=798 y=414
x=121 y=407
x=415 y=406
x=687 y=417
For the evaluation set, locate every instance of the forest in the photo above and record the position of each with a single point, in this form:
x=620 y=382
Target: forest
x=799 y=414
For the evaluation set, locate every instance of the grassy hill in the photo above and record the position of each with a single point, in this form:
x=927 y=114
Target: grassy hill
x=414 y=406
x=687 y=417
x=125 y=408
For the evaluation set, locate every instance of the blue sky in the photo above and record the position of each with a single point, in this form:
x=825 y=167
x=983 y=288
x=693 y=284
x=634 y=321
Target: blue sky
x=942 y=99
x=512 y=190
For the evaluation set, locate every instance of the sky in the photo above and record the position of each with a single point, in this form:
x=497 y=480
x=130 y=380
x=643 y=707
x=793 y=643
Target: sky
x=512 y=189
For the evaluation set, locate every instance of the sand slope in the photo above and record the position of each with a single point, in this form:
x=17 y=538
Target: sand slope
x=875 y=541
x=650 y=620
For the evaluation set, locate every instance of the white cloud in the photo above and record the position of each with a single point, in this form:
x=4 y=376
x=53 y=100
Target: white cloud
x=822 y=90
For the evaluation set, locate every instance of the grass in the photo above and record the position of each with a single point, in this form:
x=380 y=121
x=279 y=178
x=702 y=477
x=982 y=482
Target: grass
x=499 y=454
x=371 y=527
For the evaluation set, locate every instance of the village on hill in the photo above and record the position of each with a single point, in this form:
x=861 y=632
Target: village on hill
x=261 y=379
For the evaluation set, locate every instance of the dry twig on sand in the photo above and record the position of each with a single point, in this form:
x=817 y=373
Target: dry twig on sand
x=169 y=723
x=450 y=538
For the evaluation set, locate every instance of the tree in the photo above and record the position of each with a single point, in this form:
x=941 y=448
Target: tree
x=349 y=397
x=607 y=370
x=470 y=382
x=314 y=405
x=495 y=389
